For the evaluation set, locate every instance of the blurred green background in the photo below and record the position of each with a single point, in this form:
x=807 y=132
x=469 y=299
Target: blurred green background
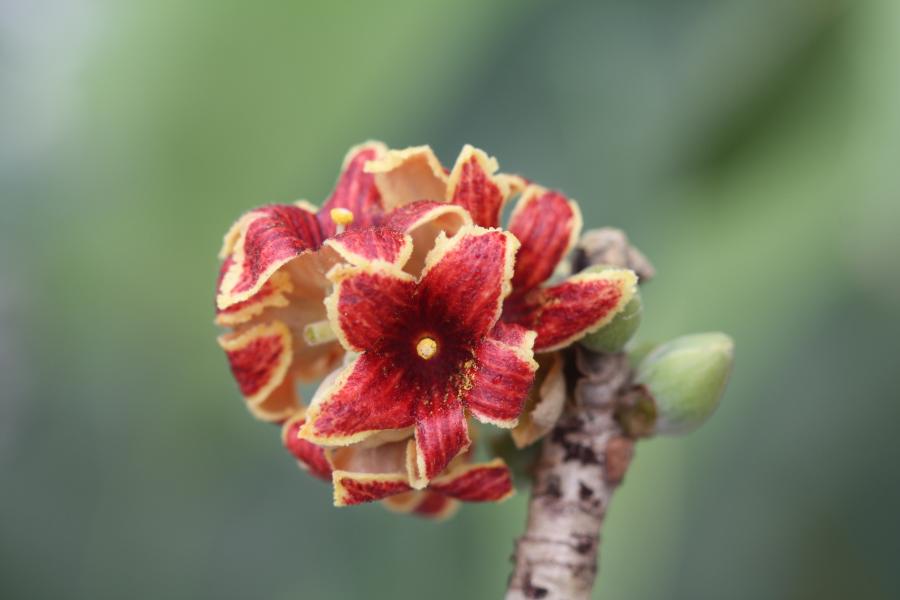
x=750 y=148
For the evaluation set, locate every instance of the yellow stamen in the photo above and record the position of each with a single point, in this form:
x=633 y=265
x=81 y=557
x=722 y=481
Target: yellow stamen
x=341 y=216
x=426 y=348
x=318 y=333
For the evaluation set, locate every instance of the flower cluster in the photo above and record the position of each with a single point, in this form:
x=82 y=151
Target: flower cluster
x=419 y=315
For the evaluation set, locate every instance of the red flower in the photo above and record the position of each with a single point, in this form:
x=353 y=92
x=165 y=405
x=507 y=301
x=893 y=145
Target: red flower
x=367 y=474
x=547 y=224
x=371 y=474
x=431 y=349
x=272 y=283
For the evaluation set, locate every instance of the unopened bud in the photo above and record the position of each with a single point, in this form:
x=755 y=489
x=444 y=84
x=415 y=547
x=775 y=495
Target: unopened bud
x=613 y=337
x=685 y=379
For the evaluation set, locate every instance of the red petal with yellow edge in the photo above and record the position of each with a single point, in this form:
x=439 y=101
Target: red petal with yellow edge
x=424 y=220
x=501 y=381
x=473 y=186
x=441 y=434
x=373 y=244
x=358 y=488
x=466 y=278
x=547 y=225
x=487 y=482
x=309 y=456
x=564 y=313
x=276 y=234
x=511 y=334
x=273 y=294
x=367 y=397
x=355 y=190
x=259 y=358
x=435 y=506
x=409 y=217
x=405 y=176
x=370 y=307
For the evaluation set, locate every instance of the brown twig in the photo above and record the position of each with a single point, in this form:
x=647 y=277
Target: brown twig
x=582 y=461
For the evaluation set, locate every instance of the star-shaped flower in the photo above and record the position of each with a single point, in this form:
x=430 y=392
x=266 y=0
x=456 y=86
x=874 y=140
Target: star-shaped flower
x=431 y=351
x=272 y=280
x=547 y=224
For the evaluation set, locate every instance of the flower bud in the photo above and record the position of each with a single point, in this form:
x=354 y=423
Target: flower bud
x=685 y=378
x=613 y=337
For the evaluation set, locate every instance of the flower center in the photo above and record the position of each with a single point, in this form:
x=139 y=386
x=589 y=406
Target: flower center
x=426 y=348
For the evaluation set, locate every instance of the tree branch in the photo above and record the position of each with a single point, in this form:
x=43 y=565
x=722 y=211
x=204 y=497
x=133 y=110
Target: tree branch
x=582 y=461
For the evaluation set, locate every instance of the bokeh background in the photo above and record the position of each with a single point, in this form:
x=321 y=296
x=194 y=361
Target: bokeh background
x=750 y=148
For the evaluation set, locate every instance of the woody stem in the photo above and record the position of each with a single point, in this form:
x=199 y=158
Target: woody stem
x=581 y=463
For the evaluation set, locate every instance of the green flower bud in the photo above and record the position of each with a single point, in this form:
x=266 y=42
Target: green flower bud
x=685 y=378
x=613 y=336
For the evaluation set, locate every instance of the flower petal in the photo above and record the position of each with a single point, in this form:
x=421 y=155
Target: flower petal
x=355 y=190
x=367 y=397
x=435 y=506
x=473 y=186
x=424 y=220
x=485 y=482
x=357 y=488
x=372 y=245
x=503 y=375
x=442 y=433
x=564 y=313
x=547 y=224
x=260 y=358
x=404 y=176
x=466 y=278
x=545 y=402
x=369 y=306
x=271 y=236
x=273 y=294
x=279 y=405
x=309 y=456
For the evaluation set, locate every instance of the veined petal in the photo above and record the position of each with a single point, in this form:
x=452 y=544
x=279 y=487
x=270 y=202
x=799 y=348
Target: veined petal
x=273 y=294
x=404 y=176
x=355 y=190
x=372 y=245
x=309 y=456
x=545 y=402
x=485 y=482
x=367 y=397
x=547 y=224
x=501 y=380
x=275 y=234
x=424 y=220
x=411 y=216
x=442 y=433
x=564 y=313
x=260 y=358
x=473 y=186
x=369 y=473
x=357 y=488
x=467 y=276
x=369 y=306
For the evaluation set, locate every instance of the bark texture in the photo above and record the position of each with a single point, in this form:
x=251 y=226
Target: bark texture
x=582 y=461
x=581 y=464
